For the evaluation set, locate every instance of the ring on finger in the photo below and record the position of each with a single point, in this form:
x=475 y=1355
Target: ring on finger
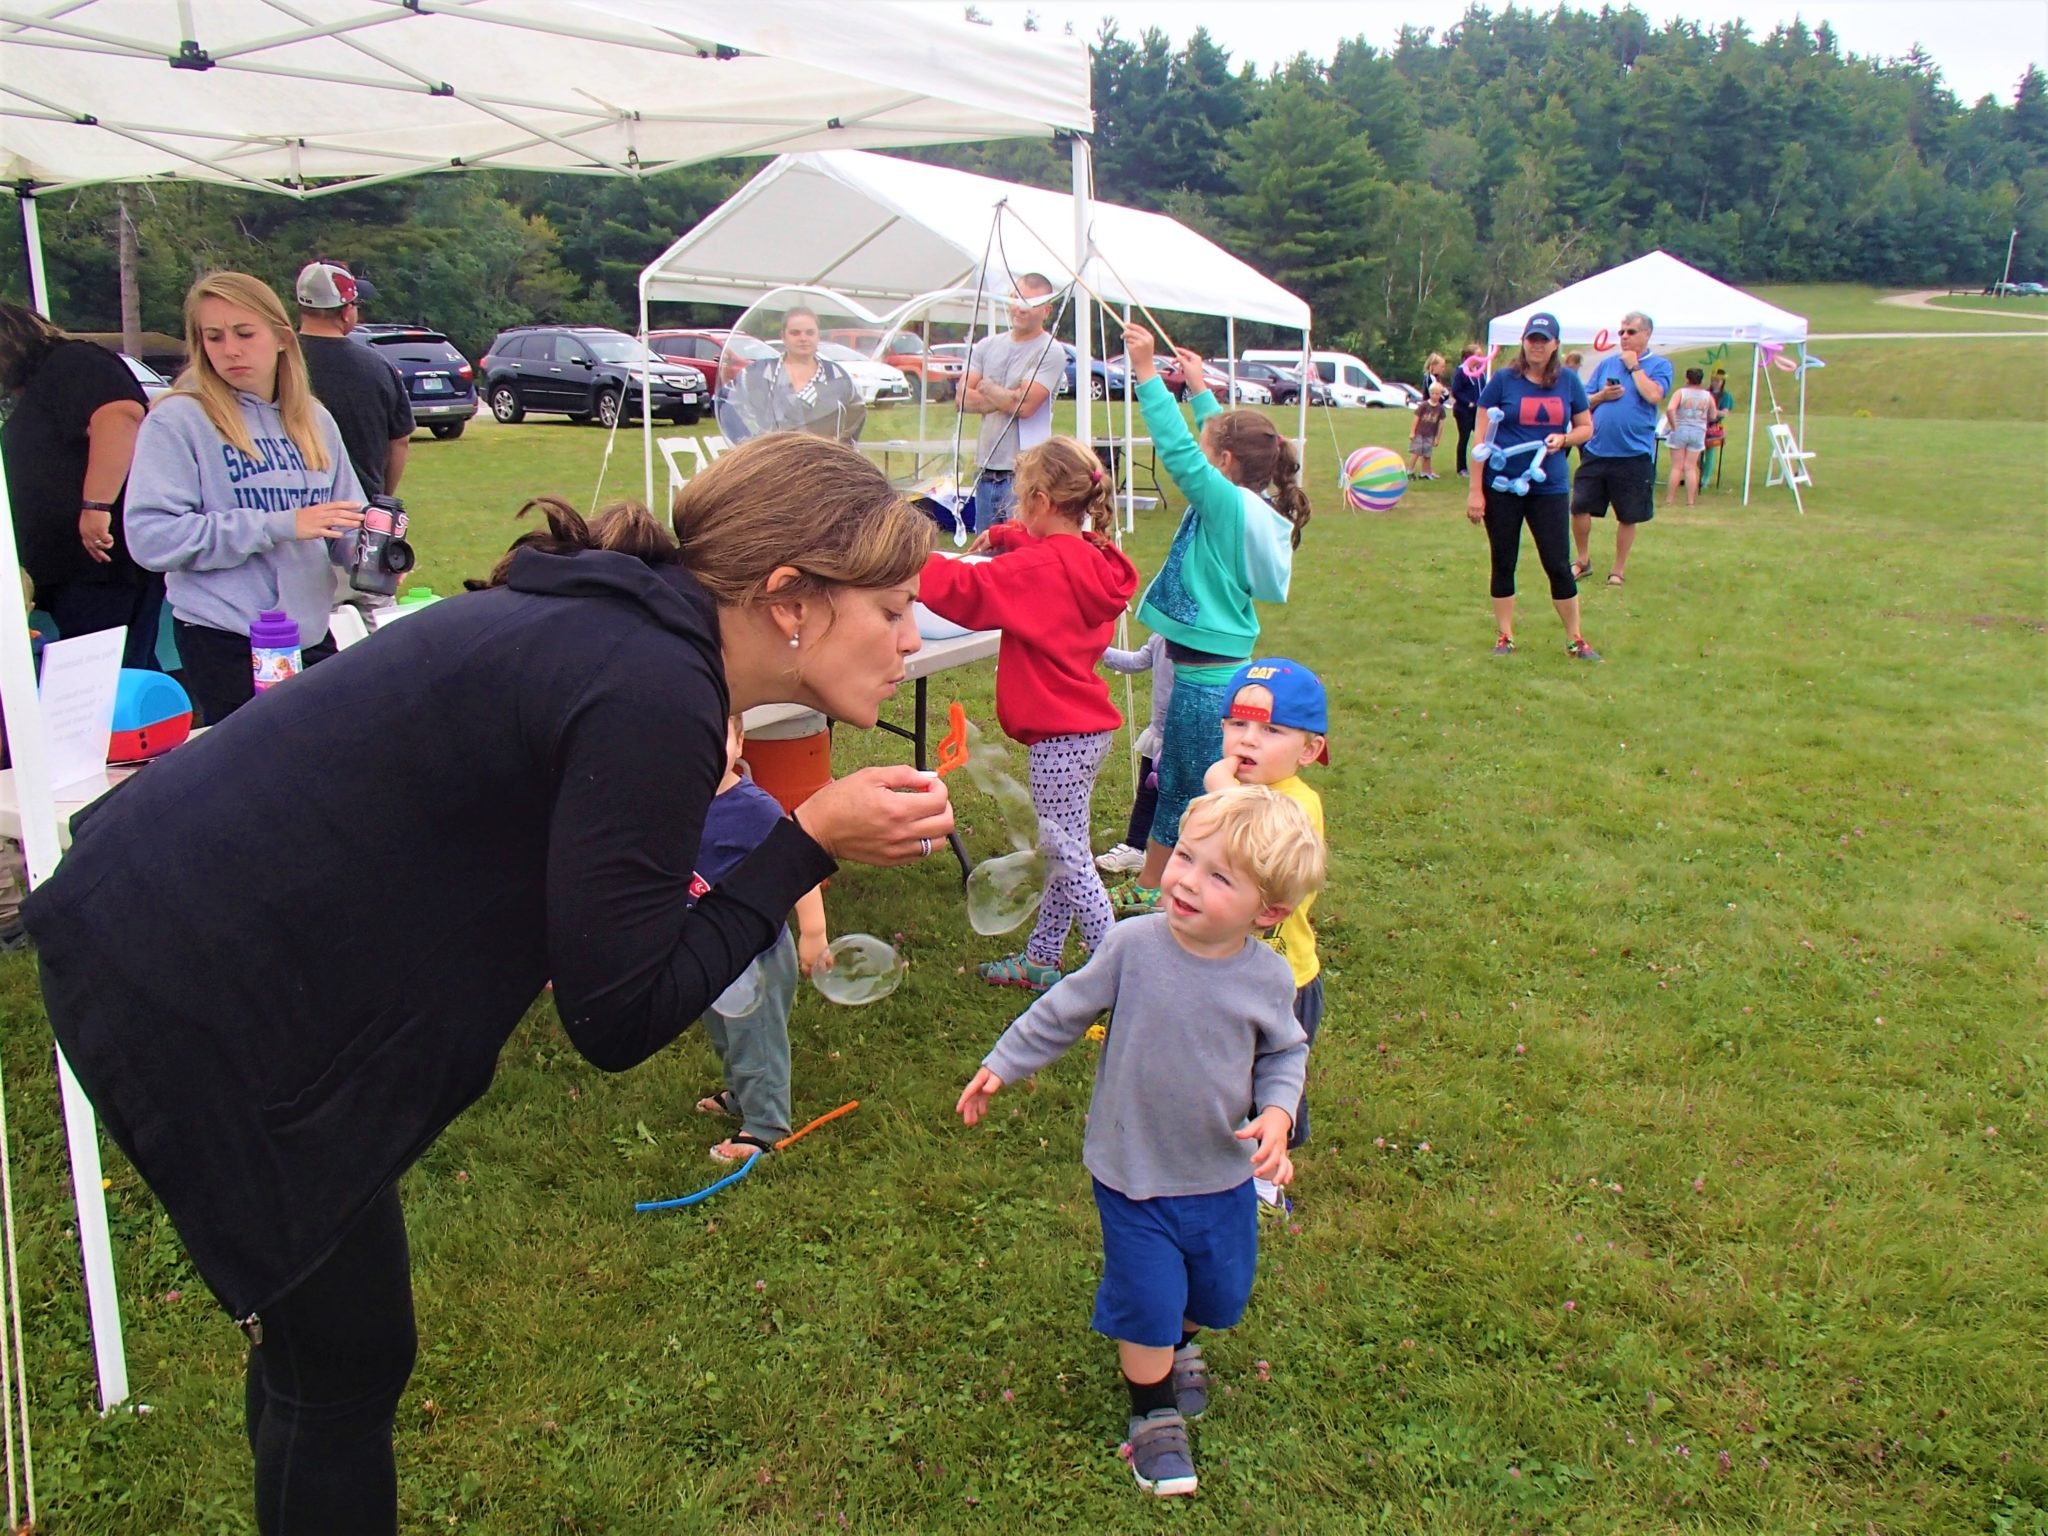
x=924 y=847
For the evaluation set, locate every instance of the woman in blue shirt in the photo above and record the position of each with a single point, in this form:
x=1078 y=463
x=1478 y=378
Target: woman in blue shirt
x=1530 y=401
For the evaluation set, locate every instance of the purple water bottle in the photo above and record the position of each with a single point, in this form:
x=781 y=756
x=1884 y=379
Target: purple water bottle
x=273 y=648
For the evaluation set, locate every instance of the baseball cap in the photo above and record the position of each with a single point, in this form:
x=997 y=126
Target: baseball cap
x=1299 y=702
x=1542 y=323
x=330 y=285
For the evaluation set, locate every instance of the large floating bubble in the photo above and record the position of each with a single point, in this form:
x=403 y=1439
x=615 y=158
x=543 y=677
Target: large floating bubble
x=798 y=361
x=1004 y=893
x=863 y=970
x=743 y=996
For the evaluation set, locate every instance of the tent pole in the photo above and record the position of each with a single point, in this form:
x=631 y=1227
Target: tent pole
x=41 y=846
x=1301 y=402
x=1756 y=354
x=1084 y=308
x=646 y=410
x=32 y=250
x=1802 y=394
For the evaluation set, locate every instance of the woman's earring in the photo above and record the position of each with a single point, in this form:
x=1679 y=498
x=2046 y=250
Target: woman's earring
x=793 y=641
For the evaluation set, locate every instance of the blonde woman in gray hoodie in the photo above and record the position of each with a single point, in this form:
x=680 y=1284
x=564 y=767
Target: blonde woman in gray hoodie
x=241 y=491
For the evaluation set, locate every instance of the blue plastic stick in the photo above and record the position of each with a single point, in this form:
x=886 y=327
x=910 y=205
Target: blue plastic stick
x=703 y=1194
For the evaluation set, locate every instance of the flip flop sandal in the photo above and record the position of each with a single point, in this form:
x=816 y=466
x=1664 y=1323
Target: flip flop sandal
x=719 y=1103
x=740 y=1146
x=1581 y=569
x=1615 y=580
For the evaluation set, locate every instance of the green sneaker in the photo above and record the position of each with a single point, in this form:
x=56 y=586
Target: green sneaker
x=1503 y=646
x=1578 y=650
x=1134 y=900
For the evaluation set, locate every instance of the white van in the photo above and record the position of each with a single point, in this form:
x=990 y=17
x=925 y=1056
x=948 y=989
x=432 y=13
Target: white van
x=1350 y=381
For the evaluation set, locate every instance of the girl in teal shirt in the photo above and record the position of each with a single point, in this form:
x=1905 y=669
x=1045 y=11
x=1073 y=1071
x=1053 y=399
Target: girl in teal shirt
x=1235 y=544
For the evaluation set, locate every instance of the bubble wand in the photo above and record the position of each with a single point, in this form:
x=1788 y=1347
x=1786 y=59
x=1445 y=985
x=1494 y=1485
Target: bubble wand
x=746 y=1167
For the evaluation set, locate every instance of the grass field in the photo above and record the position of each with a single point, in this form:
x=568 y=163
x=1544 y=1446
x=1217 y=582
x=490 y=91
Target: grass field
x=1679 y=1162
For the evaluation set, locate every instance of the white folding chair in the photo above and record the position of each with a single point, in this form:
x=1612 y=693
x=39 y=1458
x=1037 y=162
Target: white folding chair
x=345 y=626
x=671 y=447
x=714 y=444
x=1788 y=463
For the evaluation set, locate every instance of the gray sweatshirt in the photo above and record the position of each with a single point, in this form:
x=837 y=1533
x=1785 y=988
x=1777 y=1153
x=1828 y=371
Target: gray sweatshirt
x=220 y=523
x=1192 y=1042
x=1149 y=657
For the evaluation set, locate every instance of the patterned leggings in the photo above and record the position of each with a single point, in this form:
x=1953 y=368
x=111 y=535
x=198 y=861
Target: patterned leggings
x=1063 y=770
x=1193 y=740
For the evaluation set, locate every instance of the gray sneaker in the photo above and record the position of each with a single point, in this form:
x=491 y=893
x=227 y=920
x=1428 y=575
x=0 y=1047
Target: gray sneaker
x=1190 y=1381
x=1160 y=1458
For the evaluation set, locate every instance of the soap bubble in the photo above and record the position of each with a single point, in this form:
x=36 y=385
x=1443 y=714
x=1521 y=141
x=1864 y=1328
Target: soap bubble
x=791 y=364
x=1004 y=893
x=988 y=765
x=863 y=970
x=743 y=996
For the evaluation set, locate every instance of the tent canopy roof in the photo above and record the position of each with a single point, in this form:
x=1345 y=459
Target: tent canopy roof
x=108 y=90
x=884 y=231
x=1687 y=307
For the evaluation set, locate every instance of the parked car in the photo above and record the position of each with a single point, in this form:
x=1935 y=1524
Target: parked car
x=937 y=375
x=2030 y=290
x=586 y=372
x=878 y=383
x=714 y=352
x=1412 y=392
x=438 y=378
x=1348 y=379
x=1104 y=379
x=1214 y=379
x=153 y=383
x=1283 y=384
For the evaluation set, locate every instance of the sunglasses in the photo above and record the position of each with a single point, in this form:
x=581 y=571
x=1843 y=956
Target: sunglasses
x=1631 y=330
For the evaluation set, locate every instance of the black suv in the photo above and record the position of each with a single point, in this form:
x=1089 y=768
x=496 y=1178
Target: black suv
x=438 y=378
x=585 y=372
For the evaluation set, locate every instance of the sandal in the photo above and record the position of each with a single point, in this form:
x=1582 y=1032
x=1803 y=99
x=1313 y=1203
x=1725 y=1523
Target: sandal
x=1581 y=569
x=740 y=1146
x=1134 y=900
x=1615 y=578
x=1016 y=971
x=719 y=1103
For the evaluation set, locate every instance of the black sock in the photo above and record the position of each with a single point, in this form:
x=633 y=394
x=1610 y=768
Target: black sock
x=1147 y=1396
x=1187 y=1336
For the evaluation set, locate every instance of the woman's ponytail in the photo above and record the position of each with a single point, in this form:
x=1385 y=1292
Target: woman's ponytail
x=1289 y=499
x=624 y=527
x=1266 y=462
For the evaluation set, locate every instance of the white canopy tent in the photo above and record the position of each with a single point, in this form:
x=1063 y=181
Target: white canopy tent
x=267 y=96
x=1689 y=310
x=885 y=231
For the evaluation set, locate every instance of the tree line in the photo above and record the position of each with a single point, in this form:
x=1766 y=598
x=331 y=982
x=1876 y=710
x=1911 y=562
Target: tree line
x=1406 y=193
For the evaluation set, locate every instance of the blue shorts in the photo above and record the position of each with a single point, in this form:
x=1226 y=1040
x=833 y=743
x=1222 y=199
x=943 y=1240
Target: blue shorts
x=1180 y=1256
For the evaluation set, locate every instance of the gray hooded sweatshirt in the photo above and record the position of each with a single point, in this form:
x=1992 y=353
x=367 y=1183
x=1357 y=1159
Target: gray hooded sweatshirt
x=220 y=523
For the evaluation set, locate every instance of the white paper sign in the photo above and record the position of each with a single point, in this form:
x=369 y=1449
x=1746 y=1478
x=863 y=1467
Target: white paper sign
x=79 y=680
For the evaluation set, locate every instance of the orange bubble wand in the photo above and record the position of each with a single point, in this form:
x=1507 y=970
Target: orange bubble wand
x=953 y=746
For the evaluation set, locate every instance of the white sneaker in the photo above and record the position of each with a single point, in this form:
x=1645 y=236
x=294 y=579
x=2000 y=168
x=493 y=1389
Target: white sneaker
x=1123 y=859
x=1267 y=1191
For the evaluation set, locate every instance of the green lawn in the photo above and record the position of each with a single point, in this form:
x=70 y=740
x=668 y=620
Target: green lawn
x=1857 y=307
x=1680 y=1150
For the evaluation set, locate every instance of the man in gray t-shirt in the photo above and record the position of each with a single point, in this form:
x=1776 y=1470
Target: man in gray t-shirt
x=1011 y=381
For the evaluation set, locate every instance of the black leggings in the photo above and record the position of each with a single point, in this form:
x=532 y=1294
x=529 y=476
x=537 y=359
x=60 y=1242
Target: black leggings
x=324 y=1385
x=1550 y=521
x=1142 y=805
x=1467 y=417
x=217 y=671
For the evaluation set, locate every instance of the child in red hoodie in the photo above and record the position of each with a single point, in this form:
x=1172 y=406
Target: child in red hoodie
x=1055 y=592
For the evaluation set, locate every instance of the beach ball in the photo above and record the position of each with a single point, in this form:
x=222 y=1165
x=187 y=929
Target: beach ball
x=1374 y=479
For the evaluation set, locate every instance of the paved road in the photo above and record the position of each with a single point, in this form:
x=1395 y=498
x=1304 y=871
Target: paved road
x=1920 y=297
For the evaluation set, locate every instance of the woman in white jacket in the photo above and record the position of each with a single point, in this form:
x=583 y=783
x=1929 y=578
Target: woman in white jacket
x=241 y=491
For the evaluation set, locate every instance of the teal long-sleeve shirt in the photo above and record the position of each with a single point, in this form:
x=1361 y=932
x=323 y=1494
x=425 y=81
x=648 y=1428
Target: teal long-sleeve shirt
x=1231 y=546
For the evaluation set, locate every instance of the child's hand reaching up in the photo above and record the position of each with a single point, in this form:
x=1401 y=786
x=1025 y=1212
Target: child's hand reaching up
x=1270 y=1130
x=985 y=1086
x=1140 y=348
x=1221 y=775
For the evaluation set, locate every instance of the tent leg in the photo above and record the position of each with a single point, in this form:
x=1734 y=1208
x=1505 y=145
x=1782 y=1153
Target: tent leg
x=1756 y=355
x=1802 y=394
x=647 y=414
x=32 y=251
x=40 y=845
x=1301 y=447
x=1084 y=317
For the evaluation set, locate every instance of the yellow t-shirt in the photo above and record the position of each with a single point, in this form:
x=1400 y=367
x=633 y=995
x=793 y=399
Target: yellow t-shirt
x=1294 y=938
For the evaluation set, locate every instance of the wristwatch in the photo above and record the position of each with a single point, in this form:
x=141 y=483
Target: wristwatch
x=95 y=506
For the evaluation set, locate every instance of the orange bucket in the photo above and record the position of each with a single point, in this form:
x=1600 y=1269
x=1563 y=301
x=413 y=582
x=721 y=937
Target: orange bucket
x=791 y=759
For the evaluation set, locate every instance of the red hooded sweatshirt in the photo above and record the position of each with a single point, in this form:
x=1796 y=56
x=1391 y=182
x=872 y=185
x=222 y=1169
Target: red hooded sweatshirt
x=1056 y=600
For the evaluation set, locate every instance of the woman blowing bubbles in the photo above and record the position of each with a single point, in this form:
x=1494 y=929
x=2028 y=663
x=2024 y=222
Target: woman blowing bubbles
x=527 y=768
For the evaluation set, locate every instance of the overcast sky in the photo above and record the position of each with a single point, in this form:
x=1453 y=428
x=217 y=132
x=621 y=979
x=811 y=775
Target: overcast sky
x=1981 y=45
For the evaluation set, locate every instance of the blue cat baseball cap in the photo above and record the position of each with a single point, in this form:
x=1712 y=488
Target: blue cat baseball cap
x=1299 y=702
